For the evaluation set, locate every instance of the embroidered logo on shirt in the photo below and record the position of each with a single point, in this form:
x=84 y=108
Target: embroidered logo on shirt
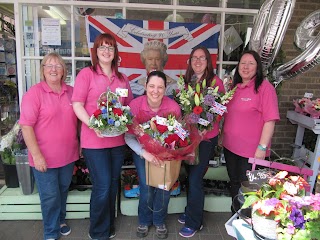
x=245 y=99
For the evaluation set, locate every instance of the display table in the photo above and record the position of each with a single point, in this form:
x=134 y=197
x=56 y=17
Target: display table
x=312 y=124
x=16 y=206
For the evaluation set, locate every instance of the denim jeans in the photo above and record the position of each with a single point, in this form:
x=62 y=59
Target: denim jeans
x=153 y=202
x=195 y=196
x=237 y=167
x=105 y=168
x=53 y=186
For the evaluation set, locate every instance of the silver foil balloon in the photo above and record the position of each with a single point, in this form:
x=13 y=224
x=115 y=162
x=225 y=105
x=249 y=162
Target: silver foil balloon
x=269 y=29
x=304 y=62
x=304 y=33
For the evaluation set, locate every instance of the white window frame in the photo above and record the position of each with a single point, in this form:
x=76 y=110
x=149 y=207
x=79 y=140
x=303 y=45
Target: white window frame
x=124 y=5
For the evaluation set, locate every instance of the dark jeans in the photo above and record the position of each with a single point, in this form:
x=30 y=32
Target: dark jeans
x=53 y=186
x=153 y=202
x=237 y=167
x=195 y=197
x=105 y=168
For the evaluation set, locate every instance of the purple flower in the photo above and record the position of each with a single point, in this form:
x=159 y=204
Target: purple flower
x=104 y=115
x=104 y=110
x=209 y=100
x=209 y=117
x=194 y=118
x=271 y=202
x=297 y=217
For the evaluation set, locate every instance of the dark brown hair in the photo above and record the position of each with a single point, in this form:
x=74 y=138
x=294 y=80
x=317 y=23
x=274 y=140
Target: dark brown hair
x=208 y=72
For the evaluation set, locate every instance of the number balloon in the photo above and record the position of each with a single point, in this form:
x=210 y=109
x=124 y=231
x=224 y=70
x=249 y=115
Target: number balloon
x=305 y=41
x=269 y=29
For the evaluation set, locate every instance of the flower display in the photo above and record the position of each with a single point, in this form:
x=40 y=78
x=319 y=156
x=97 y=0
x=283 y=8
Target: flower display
x=203 y=105
x=167 y=138
x=111 y=118
x=80 y=175
x=307 y=106
x=283 y=199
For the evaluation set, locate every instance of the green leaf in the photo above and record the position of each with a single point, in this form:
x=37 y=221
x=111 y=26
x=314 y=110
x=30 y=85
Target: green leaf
x=250 y=200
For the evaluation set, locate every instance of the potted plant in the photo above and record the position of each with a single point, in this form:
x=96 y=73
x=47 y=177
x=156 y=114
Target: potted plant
x=281 y=203
x=81 y=176
x=130 y=182
x=11 y=144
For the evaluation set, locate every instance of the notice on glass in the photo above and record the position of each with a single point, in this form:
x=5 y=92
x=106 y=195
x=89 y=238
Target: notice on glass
x=51 y=31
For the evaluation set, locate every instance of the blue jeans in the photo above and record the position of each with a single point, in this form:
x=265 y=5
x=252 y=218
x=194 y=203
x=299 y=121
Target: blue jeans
x=153 y=202
x=105 y=168
x=53 y=186
x=195 y=196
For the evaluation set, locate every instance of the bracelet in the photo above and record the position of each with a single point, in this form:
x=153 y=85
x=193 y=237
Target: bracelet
x=262 y=148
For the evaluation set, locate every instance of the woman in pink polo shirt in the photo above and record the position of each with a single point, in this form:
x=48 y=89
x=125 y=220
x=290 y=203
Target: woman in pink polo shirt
x=49 y=128
x=199 y=68
x=153 y=202
x=249 y=123
x=104 y=156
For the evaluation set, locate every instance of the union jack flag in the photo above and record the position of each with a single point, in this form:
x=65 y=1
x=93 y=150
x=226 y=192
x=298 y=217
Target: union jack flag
x=131 y=35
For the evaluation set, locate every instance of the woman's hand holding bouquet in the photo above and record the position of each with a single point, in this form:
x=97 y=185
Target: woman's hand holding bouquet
x=166 y=138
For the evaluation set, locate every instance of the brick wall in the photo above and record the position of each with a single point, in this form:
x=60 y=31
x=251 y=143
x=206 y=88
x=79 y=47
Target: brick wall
x=295 y=87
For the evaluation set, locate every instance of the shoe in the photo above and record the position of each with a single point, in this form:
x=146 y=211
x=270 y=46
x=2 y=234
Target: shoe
x=91 y=237
x=65 y=230
x=112 y=233
x=161 y=231
x=142 y=231
x=182 y=218
x=188 y=232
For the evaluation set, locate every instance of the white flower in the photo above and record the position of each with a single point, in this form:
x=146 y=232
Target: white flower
x=117 y=124
x=170 y=128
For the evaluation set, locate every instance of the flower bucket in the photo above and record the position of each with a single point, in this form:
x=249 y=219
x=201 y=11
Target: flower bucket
x=25 y=175
x=263 y=227
x=10 y=176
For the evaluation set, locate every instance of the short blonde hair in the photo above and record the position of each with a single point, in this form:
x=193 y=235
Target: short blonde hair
x=155 y=45
x=50 y=56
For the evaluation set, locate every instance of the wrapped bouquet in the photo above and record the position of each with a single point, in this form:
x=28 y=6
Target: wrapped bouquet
x=111 y=118
x=168 y=138
x=203 y=105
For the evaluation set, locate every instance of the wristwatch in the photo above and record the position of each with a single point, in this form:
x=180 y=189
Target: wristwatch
x=262 y=147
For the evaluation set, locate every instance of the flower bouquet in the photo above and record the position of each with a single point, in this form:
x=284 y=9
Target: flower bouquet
x=167 y=138
x=202 y=105
x=283 y=203
x=111 y=118
x=307 y=106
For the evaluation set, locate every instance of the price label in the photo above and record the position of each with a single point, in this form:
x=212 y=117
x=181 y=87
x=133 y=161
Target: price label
x=203 y=122
x=218 y=108
x=308 y=95
x=259 y=176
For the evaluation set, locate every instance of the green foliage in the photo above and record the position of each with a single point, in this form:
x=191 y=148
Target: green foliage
x=7 y=157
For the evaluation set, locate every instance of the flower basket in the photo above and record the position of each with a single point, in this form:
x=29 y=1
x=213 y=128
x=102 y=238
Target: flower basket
x=111 y=118
x=263 y=227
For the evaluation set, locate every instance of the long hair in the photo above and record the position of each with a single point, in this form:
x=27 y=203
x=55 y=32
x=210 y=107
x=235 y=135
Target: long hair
x=50 y=56
x=208 y=72
x=106 y=38
x=259 y=74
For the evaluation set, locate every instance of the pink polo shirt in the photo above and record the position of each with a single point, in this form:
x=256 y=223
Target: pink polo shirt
x=215 y=130
x=88 y=87
x=54 y=123
x=247 y=113
x=139 y=107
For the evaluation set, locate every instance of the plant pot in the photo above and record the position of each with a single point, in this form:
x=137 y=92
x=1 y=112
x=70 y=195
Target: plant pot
x=263 y=227
x=11 y=176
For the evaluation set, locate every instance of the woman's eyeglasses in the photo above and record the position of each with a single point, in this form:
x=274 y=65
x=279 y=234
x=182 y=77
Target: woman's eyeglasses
x=202 y=58
x=103 y=48
x=50 y=66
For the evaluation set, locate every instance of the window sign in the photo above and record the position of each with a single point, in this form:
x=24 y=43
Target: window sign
x=51 y=31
